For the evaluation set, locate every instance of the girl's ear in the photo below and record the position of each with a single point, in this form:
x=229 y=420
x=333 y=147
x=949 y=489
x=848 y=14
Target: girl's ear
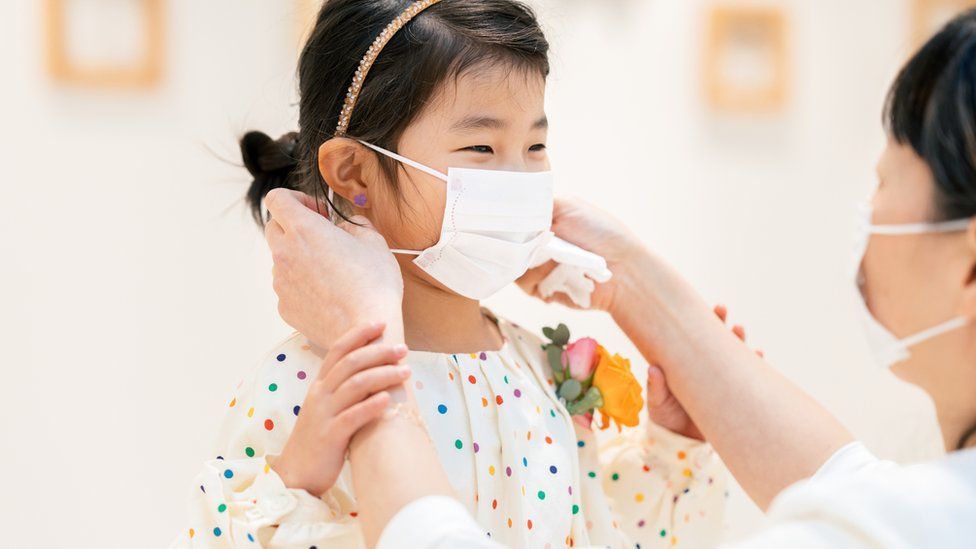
x=969 y=288
x=344 y=164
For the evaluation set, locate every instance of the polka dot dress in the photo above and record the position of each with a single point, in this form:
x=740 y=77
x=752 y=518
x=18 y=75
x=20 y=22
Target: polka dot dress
x=527 y=473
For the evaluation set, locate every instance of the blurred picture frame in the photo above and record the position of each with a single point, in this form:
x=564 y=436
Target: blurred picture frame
x=746 y=65
x=928 y=16
x=105 y=43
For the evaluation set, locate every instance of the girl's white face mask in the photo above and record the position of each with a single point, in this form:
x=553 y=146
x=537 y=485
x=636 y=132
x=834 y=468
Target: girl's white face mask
x=495 y=223
x=887 y=348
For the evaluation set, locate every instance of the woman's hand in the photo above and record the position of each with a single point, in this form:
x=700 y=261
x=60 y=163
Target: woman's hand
x=662 y=406
x=330 y=278
x=597 y=231
x=349 y=393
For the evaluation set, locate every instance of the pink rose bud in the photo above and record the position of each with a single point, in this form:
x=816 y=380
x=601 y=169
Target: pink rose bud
x=582 y=358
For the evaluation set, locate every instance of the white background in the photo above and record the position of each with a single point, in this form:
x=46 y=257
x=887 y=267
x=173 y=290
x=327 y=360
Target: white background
x=135 y=291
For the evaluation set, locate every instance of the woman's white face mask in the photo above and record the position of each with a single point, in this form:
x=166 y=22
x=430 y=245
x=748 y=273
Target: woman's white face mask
x=887 y=348
x=495 y=223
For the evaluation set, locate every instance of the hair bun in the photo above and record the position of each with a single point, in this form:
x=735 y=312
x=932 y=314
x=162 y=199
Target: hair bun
x=272 y=163
x=263 y=155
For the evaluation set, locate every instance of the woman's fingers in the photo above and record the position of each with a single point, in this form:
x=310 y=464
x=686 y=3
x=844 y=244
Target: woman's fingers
x=361 y=359
x=368 y=382
x=657 y=387
x=722 y=312
x=352 y=340
x=356 y=416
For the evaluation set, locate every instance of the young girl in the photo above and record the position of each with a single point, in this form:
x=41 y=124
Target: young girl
x=456 y=88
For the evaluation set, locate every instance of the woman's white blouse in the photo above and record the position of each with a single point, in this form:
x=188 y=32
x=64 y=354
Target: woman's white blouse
x=526 y=473
x=855 y=501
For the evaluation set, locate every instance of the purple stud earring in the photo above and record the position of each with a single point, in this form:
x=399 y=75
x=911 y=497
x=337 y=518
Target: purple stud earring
x=359 y=200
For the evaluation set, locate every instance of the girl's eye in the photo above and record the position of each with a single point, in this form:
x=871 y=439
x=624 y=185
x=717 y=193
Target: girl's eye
x=482 y=149
x=538 y=147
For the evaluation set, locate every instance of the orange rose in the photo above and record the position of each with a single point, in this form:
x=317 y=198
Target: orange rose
x=622 y=400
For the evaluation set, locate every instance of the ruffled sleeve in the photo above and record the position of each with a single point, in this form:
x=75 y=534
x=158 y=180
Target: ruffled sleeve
x=237 y=499
x=665 y=490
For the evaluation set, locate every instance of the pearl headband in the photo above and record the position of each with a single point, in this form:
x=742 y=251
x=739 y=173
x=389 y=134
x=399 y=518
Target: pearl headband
x=371 y=54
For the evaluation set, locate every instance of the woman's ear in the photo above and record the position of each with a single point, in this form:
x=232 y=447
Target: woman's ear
x=345 y=165
x=969 y=288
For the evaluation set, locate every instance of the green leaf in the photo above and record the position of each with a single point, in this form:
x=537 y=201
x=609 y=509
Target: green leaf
x=558 y=376
x=592 y=399
x=548 y=332
x=555 y=356
x=560 y=336
x=570 y=390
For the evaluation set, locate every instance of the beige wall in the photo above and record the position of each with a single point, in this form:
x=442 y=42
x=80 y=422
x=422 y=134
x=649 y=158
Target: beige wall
x=136 y=292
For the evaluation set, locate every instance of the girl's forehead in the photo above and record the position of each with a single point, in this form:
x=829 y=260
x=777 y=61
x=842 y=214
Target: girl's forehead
x=500 y=92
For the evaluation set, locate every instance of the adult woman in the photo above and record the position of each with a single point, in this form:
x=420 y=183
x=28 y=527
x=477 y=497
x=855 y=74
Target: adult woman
x=918 y=280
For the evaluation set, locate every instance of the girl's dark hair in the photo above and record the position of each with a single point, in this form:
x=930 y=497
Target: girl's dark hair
x=932 y=107
x=442 y=42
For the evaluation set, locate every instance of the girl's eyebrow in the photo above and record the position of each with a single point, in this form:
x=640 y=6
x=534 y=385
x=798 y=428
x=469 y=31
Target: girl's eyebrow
x=478 y=122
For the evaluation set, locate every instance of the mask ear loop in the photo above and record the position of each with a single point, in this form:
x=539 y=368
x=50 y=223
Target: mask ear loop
x=921 y=228
x=412 y=164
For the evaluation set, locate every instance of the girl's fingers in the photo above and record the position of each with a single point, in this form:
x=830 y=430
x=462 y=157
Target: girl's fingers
x=361 y=359
x=368 y=382
x=350 y=341
x=355 y=417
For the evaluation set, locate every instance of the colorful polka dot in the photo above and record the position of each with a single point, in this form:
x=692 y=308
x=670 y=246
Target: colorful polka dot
x=483 y=356
x=296 y=409
x=273 y=387
x=548 y=440
x=281 y=357
x=638 y=497
x=216 y=531
x=484 y=402
x=250 y=412
x=249 y=451
x=552 y=469
x=233 y=402
x=508 y=471
x=221 y=508
x=476 y=447
x=228 y=473
x=528 y=524
x=499 y=400
x=192 y=532
x=301 y=374
x=580 y=443
x=442 y=409
x=458 y=444
x=541 y=494
x=268 y=424
x=472 y=380
x=615 y=476
x=494 y=504
x=517 y=393
x=491 y=470
x=525 y=462
x=250 y=538
x=575 y=509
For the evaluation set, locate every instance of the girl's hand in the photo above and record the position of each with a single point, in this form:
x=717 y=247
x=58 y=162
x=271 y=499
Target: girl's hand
x=349 y=393
x=663 y=408
x=330 y=278
x=597 y=231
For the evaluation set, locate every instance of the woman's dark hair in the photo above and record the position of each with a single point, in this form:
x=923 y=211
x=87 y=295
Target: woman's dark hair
x=442 y=42
x=932 y=108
